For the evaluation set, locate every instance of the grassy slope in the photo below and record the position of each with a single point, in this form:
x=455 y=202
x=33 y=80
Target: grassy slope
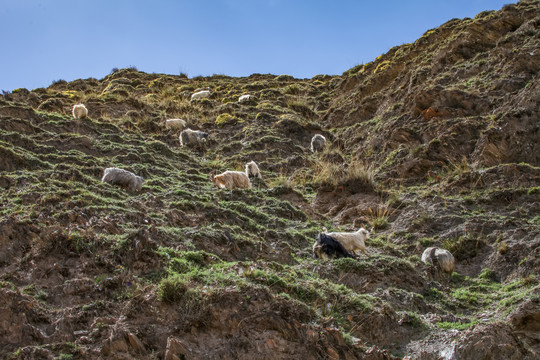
x=229 y=273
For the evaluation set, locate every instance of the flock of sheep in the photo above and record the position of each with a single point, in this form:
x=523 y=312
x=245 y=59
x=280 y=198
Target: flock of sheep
x=327 y=244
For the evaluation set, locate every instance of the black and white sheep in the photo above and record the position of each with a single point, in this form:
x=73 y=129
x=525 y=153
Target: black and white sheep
x=318 y=142
x=442 y=259
x=124 y=178
x=352 y=241
x=326 y=247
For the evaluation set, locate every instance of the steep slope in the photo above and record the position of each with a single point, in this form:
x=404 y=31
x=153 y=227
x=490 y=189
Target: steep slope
x=433 y=144
x=468 y=89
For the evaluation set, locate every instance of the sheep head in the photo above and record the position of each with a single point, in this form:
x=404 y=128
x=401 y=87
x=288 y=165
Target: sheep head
x=216 y=179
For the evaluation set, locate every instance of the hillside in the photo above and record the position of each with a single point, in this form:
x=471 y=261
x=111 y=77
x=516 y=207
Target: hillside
x=435 y=143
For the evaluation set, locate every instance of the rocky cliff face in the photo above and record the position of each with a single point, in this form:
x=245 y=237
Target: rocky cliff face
x=433 y=144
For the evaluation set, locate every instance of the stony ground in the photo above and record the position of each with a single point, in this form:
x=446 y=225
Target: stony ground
x=433 y=144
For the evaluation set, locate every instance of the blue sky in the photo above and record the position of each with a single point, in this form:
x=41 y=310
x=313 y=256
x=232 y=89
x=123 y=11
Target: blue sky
x=48 y=40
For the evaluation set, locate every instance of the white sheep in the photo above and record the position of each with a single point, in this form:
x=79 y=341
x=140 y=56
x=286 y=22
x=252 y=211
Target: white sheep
x=318 y=142
x=200 y=95
x=193 y=138
x=441 y=258
x=124 y=178
x=352 y=241
x=252 y=170
x=231 y=180
x=80 y=111
x=245 y=98
x=175 y=124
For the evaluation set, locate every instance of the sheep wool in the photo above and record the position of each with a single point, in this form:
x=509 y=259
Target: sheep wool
x=123 y=178
x=252 y=170
x=318 y=142
x=352 y=241
x=231 y=180
x=193 y=138
x=326 y=247
x=175 y=124
x=245 y=98
x=441 y=258
x=80 y=111
x=200 y=95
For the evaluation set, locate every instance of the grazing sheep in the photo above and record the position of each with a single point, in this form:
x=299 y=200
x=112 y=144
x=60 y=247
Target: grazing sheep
x=245 y=98
x=80 y=111
x=441 y=258
x=231 y=180
x=175 y=124
x=318 y=142
x=193 y=138
x=326 y=247
x=124 y=178
x=252 y=170
x=352 y=241
x=200 y=95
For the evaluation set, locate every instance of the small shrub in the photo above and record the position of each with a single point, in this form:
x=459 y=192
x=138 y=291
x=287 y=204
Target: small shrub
x=347 y=264
x=172 y=289
x=293 y=89
x=224 y=119
x=464 y=247
x=357 y=176
x=502 y=248
x=426 y=242
x=456 y=278
x=415 y=320
x=283 y=78
x=378 y=218
x=195 y=257
x=302 y=108
x=382 y=66
x=487 y=274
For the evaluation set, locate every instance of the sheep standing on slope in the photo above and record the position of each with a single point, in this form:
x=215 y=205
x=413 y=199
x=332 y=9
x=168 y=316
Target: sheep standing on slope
x=245 y=98
x=193 y=138
x=175 y=124
x=124 y=178
x=80 y=111
x=200 y=95
x=442 y=259
x=352 y=241
x=326 y=247
x=318 y=142
x=231 y=180
x=252 y=170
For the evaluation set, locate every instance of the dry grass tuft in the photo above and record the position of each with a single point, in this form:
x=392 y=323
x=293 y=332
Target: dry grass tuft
x=356 y=174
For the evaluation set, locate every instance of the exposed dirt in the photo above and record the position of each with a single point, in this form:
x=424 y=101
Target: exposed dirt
x=435 y=143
